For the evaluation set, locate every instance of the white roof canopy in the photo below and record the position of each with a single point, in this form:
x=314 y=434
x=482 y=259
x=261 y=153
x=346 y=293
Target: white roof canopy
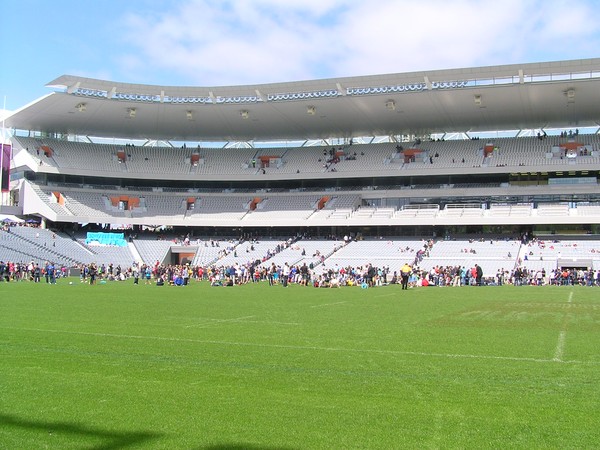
x=526 y=96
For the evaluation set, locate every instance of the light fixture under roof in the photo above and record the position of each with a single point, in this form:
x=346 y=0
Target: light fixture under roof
x=570 y=93
x=81 y=107
x=189 y=115
x=391 y=105
x=132 y=112
x=244 y=113
x=311 y=110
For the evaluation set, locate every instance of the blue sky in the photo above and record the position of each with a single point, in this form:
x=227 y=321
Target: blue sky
x=224 y=42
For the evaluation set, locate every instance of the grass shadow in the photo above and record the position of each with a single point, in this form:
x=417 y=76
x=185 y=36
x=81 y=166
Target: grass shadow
x=111 y=440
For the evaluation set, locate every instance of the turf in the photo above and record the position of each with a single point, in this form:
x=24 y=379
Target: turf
x=122 y=366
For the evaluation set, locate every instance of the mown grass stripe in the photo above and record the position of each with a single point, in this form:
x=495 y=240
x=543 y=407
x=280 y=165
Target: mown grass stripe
x=309 y=347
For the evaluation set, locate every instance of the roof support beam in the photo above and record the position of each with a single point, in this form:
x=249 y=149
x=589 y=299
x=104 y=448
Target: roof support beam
x=73 y=87
x=427 y=82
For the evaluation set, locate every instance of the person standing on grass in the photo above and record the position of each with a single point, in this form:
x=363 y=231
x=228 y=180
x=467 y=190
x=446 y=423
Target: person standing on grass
x=271 y=274
x=52 y=273
x=478 y=274
x=370 y=275
x=135 y=272
x=405 y=271
x=148 y=275
x=304 y=274
x=92 y=272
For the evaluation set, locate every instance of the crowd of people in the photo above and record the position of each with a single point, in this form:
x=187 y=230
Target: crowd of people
x=318 y=273
x=519 y=276
x=304 y=275
x=16 y=271
x=239 y=274
x=368 y=275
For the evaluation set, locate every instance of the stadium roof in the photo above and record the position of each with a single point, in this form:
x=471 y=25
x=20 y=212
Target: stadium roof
x=512 y=97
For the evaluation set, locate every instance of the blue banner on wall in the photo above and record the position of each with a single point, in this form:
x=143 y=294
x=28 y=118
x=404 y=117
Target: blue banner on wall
x=99 y=238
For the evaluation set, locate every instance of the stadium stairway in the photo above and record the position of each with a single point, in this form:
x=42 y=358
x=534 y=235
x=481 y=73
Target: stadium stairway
x=23 y=256
x=49 y=251
x=134 y=251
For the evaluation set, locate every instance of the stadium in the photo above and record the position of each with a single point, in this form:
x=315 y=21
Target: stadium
x=227 y=193
x=501 y=151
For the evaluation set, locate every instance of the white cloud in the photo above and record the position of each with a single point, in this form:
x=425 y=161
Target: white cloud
x=255 y=41
x=571 y=28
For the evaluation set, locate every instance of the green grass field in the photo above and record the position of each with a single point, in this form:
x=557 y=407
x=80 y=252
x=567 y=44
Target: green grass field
x=121 y=366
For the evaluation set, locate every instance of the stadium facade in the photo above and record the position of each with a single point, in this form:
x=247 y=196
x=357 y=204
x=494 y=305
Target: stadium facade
x=466 y=150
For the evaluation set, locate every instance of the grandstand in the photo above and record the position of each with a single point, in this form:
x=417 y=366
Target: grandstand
x=319 y=159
